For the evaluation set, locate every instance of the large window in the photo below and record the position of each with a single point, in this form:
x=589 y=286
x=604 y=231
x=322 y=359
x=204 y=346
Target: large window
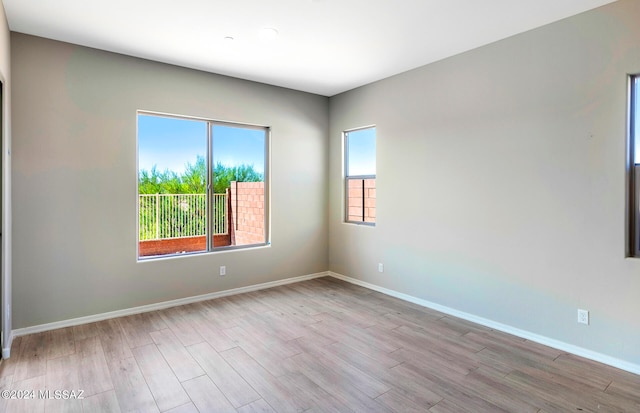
x=633 y=168
x=360 y=176
x=201 y=185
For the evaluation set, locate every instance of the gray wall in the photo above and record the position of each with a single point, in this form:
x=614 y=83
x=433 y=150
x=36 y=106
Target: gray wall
x=74 y=180
x=501 y=182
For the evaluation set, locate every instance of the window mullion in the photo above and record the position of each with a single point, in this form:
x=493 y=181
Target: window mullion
x=363 y=197
x=209 y=194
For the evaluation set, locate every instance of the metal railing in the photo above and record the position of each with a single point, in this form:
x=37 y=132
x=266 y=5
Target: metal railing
x=164 y=216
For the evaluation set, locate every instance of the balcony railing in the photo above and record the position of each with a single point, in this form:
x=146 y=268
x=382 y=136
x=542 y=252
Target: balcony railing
x=165 y=216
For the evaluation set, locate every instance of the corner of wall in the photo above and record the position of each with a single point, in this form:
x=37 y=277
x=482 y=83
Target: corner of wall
x=5 y=159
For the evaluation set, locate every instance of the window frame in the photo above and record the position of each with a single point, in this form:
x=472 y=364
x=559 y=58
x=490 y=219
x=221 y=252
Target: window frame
x=210 y=123
x=632 y=217
x=347 y=177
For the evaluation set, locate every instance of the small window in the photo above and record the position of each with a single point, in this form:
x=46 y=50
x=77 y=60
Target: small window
x=201 y=185
x=360 y=176
x=633 y=168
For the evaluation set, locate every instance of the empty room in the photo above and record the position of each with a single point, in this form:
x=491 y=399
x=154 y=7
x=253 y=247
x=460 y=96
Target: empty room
x=320 y=206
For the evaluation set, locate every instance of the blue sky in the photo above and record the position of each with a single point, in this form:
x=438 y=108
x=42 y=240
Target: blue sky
x=171 y=143
x=234 y=146
x=361 y=146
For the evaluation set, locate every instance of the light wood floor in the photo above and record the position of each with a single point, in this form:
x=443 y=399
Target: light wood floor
x=317 y=346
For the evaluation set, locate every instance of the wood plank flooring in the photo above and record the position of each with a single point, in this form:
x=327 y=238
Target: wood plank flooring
x=316 y=346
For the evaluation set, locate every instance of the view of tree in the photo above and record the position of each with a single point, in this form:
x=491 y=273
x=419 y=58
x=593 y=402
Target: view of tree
x=224 y=175
x=193 y=180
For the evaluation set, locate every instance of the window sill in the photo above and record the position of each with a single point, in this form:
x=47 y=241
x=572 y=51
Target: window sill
x=203 y=253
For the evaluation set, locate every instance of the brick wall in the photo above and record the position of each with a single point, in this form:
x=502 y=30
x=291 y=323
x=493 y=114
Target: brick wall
x=356 y=207
x=178 y=245
x=246 y=213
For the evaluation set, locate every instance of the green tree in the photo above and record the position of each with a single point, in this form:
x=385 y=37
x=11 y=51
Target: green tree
x=154 y=182
x=224 y=175
x=194 y=179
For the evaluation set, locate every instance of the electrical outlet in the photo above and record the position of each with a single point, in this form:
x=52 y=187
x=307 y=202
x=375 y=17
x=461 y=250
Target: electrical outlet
x=223 y=270
x=380 y=267
x=583 y=317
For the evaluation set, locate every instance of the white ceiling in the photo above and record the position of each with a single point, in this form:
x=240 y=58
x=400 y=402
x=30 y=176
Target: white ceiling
x=324 y=46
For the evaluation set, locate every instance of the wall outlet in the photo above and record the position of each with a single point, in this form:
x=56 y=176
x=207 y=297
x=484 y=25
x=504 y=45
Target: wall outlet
x=223 y=270
x=583 y=317
x=380 y=267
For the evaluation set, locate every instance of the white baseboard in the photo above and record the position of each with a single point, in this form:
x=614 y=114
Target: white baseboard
x=157 y=306
x=560 y=345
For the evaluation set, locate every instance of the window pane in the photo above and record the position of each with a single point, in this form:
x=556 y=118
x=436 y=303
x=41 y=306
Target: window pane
x=361 y=200
x=361 y=176
x=355 y=194
x=171 y=185
x=239 y=155
x=361 y=150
